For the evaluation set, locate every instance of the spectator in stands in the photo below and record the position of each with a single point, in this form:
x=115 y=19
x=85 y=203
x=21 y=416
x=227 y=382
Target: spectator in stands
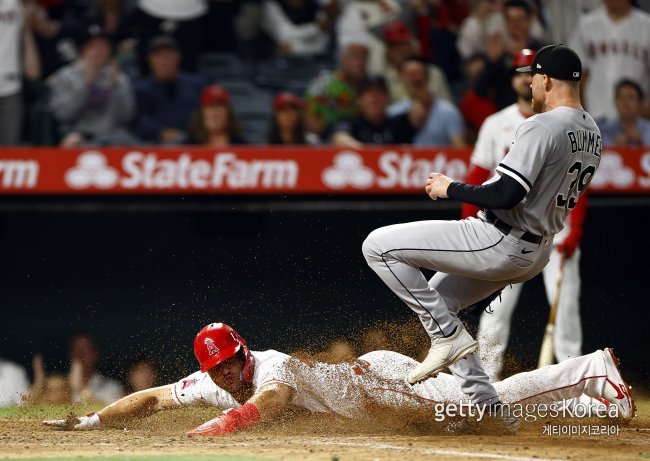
x=474 y=108
x=628 y=129
x=167 y=97
x=332 y=95
x=142 y=374
x=287 y=125
x=438 y=122
x=373 y=125
x=438 y=23
x=400 y=45
x=298 y=26
x=18 y=58
x=215 y=124
x=13 y=383
x=489 y=20
x=494 y=81
x=185 y=20
x=92 y=98
x=56 y=26
x=111 y=15
x=88 y=386
x=614 y=43
x=562 y=17
x=51 y=390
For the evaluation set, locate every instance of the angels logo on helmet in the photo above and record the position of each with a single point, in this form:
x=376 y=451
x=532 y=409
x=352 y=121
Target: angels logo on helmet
x=212 y=349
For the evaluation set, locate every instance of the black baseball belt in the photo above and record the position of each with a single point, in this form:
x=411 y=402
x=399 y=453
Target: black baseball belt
x=505 y=228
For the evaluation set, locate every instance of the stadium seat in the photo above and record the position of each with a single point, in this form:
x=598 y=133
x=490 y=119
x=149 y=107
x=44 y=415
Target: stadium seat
x=277 y=73
x=255 y=125
x=220 y=66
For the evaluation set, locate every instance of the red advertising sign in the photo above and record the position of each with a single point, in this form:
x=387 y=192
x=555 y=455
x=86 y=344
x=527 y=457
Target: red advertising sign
x=266 y=170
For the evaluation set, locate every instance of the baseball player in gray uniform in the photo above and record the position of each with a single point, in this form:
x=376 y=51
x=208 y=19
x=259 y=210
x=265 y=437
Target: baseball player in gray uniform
x=552 y=160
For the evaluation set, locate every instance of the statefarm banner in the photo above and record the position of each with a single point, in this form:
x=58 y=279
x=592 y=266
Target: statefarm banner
x=266 y=170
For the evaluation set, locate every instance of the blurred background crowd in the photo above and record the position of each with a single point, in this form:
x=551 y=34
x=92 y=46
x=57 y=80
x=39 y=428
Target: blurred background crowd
x=343 y=72
x=84 y=384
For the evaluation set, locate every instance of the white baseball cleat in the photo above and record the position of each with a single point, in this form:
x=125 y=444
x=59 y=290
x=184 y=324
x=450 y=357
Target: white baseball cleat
x=443 y=352
x=617 y=392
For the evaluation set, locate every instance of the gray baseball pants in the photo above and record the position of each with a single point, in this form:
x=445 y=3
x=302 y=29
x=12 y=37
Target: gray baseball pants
x=473 y=259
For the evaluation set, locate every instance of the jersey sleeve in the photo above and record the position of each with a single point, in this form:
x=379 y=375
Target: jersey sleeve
x=484 y=154
x=528 y=154
x=276 y=370
x=199 y=389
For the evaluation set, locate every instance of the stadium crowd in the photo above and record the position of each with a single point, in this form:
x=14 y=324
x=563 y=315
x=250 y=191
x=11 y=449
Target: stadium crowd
x=85 y=385
x=343 y=72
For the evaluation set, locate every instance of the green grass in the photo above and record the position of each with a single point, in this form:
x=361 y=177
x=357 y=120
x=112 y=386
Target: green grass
x=45 y=411
x=152 y=458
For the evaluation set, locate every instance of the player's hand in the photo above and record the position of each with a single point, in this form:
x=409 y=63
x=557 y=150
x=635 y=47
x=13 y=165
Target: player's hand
x=437 y=185
x=216 y=426
x=81 y=423
x=232 y=420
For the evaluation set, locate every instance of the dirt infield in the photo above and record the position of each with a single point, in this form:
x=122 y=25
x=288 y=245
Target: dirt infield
x=315 y=437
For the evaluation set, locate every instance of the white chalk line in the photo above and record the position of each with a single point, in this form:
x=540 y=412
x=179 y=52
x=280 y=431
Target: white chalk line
x=385 y=446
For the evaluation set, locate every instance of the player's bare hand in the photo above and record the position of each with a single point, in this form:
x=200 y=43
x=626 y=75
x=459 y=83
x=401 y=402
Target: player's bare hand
x=214 y=427
x=74 y=423
x=437 y=185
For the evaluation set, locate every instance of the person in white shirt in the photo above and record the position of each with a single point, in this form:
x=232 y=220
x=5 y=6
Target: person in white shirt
x=614 y=44
x=87 y=384
x=256 y=386
x=18 y=57
x=13 y=383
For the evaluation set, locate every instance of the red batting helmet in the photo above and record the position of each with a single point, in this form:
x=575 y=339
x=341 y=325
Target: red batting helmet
x=218 y=342
x=523 y=58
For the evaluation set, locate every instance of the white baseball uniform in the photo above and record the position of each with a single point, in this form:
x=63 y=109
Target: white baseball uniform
x=493 y=143
x=611 y=51
x=378 y=378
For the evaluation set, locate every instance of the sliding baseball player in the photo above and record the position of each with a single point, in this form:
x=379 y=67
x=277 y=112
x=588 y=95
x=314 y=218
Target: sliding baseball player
x=256 y=386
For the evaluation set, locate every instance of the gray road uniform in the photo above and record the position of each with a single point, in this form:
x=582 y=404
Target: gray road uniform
x=554 y=157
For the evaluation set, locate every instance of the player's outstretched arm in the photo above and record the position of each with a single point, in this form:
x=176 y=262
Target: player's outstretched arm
x=136 y=405
x=265 y=405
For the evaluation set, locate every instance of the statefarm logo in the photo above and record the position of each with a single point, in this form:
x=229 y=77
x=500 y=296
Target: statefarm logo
x=18 y=174
x=613 y=172
x=138 y=170
x=393 y=169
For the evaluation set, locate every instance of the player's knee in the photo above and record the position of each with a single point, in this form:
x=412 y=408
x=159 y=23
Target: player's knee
x=370 y=248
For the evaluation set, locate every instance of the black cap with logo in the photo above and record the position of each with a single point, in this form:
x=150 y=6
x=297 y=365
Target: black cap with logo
x=556 y=61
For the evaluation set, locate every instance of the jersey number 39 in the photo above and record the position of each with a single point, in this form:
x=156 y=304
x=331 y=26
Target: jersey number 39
x=577 y=179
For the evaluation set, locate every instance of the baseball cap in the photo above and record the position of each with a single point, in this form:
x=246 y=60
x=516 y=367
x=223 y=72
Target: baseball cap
x=162 y=41
x=286 y=99
x=556 y=61
x=397 y=32
x=214 y=94
x=523 y=58
x=373 y=81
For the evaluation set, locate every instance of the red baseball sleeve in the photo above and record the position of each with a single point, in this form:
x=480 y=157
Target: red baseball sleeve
x=577 y=219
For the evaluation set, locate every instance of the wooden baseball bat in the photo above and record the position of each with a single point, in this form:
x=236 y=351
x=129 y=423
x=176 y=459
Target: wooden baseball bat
x=546 y=356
